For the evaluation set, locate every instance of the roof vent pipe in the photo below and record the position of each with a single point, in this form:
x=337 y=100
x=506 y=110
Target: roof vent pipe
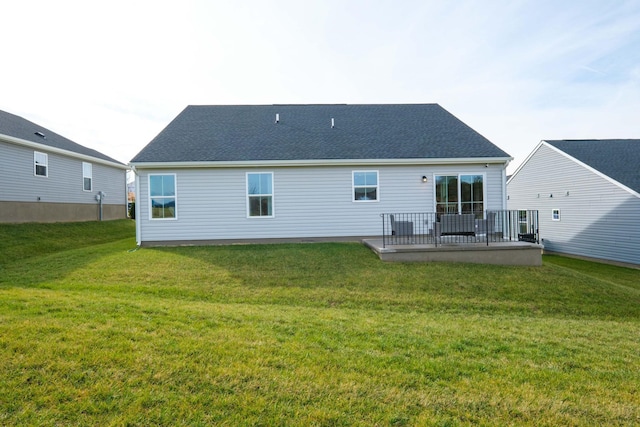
x=333 y=123
x=277 y=118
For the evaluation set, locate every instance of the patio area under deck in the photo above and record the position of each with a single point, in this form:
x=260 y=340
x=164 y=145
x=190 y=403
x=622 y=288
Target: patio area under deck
x=500 y=253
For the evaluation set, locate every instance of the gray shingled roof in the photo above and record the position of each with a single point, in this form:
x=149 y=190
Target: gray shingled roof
x=249 y=133
x=18 y=127
x=619 y=159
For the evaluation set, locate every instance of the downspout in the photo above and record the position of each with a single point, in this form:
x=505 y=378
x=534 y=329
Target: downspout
x=137 y=206
x=504 y=186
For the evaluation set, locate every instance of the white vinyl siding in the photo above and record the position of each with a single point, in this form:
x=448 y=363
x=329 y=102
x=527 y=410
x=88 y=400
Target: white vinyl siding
x=597 y=215
x=311 y=202
x=64 y=174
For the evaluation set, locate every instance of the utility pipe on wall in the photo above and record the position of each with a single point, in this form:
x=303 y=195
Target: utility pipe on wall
x=101 y=195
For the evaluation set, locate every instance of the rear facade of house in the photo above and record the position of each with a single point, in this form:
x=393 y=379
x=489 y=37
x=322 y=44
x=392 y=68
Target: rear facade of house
x=587 y=193
x=49 y=178
x=234 y=173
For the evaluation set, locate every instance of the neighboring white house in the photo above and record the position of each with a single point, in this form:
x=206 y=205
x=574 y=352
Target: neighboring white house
x=219 y=173
x=587 y=193
x=49 y=178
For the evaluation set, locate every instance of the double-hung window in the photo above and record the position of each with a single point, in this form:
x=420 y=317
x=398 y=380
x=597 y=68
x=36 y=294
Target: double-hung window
x=40 y=164
x=555 y=214
x=87 y=176
x=260 y=194
x=460 y=194
x=162 y=196
x=365 y=186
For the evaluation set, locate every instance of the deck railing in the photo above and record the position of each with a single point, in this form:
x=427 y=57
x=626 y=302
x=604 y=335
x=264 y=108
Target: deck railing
x=487 y=227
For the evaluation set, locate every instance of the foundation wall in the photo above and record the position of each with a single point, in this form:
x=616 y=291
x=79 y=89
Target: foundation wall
x=15 y=212
x=508 y=253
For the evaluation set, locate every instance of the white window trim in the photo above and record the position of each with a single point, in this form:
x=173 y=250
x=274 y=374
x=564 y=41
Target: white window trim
x=553 y=216
x=484 y=189
x=85 y=176
x=526 y=219
x=353 y=186
x=46 y=164
x=272 y=194
x=175 y=180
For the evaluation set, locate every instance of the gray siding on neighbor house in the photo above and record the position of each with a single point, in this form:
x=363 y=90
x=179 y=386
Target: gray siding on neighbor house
x=598 y=218
x=308 y=201
x=63 y=183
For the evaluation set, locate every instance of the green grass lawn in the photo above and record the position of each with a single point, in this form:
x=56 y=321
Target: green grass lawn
x=93 y=332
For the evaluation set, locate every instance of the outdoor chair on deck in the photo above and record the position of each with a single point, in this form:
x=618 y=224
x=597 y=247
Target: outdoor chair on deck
x=457 y=224
x=486 y=226
x=401 y=228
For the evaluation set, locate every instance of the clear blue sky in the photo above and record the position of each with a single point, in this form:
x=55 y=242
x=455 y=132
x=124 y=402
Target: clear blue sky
x=111 y=75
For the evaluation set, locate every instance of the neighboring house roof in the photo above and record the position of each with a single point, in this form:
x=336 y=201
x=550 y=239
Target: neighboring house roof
x=247 y=133
x=619 y=159
x=19 y=128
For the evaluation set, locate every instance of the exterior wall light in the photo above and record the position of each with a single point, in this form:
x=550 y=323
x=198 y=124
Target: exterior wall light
x=424 y=178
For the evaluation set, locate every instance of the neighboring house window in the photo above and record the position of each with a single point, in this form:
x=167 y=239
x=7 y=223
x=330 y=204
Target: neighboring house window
x=365 y=186
x=555 y=214
x=40 y=164
x=523 y=221
x=87 y=176
x=460 y=194
x=260 y=194
x=162 y=196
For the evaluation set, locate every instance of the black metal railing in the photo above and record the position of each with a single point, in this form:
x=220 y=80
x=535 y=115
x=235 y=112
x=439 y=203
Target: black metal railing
x=487 y=227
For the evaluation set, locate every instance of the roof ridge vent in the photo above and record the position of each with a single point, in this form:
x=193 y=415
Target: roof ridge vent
x=40 y=134
x=277 y=117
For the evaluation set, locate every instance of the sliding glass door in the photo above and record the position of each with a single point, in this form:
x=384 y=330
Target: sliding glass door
x=460 y=194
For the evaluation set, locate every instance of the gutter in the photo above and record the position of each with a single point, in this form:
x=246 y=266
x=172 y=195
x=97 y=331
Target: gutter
x=42 y=147
x=321 y=162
